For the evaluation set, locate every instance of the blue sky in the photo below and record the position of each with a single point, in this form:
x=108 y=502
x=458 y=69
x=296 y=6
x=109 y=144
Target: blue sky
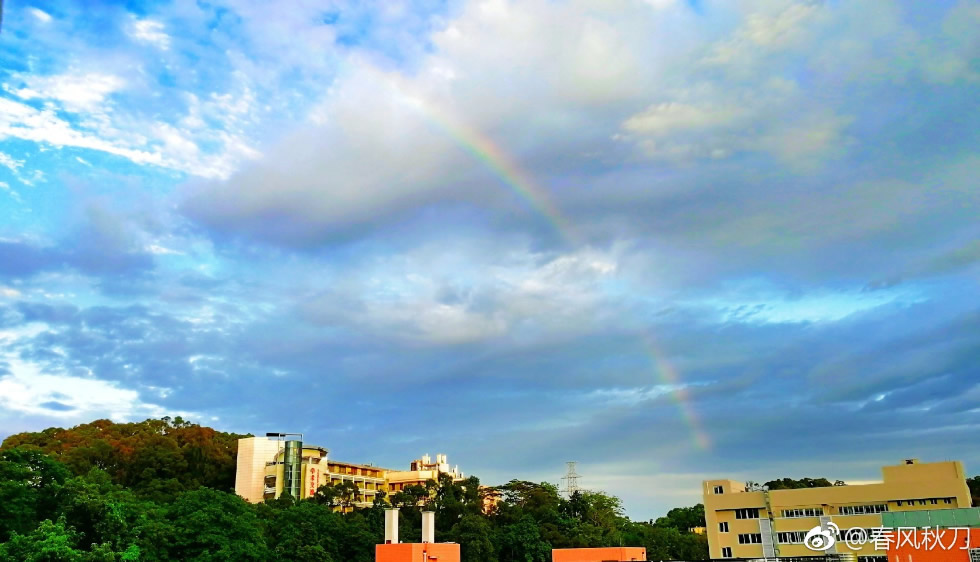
x=669 y=240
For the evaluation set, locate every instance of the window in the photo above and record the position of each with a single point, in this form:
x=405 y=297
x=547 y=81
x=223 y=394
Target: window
x=791 y=537
x=726 y=552
x=719 y=490
x=864 y=509
x=975 y=555
x=922 y=502
x=747 y=513
x=947 y=500
x=750 y=538
x=803 y=512
x=934 y=501
x=723 y=527
x=855 y=533
x=872 y=559
x=899 y=503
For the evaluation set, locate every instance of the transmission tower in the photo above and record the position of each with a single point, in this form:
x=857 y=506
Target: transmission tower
x=569 y=482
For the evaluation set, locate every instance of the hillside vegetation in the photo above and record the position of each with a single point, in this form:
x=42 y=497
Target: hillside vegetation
x=163 y=490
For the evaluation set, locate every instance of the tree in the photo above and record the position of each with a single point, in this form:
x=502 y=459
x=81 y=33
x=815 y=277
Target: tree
x=790 y=484
x=102 y=513
x=50 y=542
x=521 y=542
x=213 y=525
x=473 y=533
x=30 y=482
x=974 y=485
x=683 y=518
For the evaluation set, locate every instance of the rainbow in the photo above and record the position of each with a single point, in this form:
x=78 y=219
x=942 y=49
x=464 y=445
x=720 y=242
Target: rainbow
x=680 y=395
x=482 y=148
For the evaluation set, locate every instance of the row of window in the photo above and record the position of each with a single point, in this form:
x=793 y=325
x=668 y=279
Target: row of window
x=931 y=501
x=872 y=558
x=791 y=537
x=803 y=512
x=747 y=513
x=750 y=538
x=863 y=509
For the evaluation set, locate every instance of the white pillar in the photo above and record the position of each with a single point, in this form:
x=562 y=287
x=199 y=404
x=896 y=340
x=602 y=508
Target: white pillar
x=428 y=526
x=391 y=526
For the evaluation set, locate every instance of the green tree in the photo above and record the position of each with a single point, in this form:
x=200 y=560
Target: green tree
x=30 y=482
x=50 y=542
x=974 y=485
x=791 y=484
x=473 y=533
x=521 y=542
x=213 y=525
x=683 y=518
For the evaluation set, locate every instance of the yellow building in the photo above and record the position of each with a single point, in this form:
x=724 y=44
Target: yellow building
x=268 y=467
x=421 y=471
x=744 y=523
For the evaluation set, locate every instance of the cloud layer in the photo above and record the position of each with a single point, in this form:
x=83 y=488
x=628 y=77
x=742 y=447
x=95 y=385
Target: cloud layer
x=653 y=237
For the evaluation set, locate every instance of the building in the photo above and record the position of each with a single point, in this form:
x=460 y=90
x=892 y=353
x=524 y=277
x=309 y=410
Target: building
x=421 y=471
x=756 y=523
x=270 y=466
x=426 y=551
x=609 y=554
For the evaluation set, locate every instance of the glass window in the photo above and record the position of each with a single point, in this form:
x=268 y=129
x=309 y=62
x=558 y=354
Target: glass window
x=726 y=552
x=719 y=490
x=723 y=527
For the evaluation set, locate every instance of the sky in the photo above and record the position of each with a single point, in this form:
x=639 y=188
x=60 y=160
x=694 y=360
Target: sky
x=670 y=240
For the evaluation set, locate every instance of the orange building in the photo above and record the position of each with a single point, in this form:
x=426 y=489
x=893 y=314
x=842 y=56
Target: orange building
x=426 y=551
x=417 y=552
x=611 y=554
x=932 y=545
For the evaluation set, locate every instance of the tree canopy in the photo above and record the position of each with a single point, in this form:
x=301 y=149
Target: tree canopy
x=162 y=490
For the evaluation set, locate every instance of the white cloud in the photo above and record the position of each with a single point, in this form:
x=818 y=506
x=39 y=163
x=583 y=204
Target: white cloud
x=669 y=117
x=31 y=389
x=160 y=250
x=76 y=91
x=7 y=161
x=154 y=143
x=149 y=31
x=9 y=292
x=41 y=15
x=425 y=297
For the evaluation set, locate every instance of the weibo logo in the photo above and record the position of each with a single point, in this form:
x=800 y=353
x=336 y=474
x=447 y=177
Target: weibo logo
x=820 y=538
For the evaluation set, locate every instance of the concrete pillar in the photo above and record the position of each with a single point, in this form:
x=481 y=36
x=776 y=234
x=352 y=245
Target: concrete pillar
x=428 y=526
x=391 y=526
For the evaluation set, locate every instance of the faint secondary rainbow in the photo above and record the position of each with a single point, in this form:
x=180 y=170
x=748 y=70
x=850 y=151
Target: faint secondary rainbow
x=497 y=161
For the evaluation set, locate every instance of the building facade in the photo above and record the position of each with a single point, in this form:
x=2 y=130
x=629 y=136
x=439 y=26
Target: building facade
x=269 y=467
x=756 y=523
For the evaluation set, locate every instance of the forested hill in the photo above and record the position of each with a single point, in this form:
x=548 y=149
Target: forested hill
x=163 y=490
x=156 y=457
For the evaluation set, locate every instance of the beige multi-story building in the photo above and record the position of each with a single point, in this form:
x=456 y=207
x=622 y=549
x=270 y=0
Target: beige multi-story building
x=745 y=522
x=421 y=471
x=268 y=467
